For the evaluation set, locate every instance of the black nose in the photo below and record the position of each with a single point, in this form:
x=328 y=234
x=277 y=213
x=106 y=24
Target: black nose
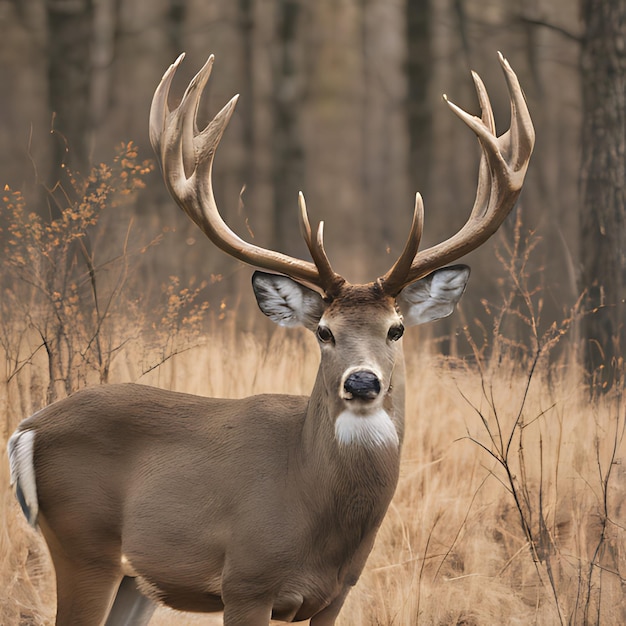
x=362 y=384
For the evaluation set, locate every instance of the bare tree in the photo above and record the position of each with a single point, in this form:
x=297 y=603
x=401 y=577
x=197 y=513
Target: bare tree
x=603 y=176
x=288 y=149
x=70 y=32
x=418 y=70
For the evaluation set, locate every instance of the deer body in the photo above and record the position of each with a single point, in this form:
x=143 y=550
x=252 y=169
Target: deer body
x=140 y=472
x=266 y=506
x=152 y=465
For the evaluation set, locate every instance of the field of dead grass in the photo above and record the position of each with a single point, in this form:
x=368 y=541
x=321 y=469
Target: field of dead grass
x=468 y=540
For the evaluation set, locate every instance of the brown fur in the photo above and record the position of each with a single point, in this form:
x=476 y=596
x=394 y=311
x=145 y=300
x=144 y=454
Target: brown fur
x=244 y=504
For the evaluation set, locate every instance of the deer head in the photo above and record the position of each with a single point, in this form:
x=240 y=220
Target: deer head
x=358 y=326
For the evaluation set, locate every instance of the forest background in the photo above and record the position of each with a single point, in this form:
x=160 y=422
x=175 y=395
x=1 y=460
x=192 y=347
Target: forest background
x=341 y=99
x=103 y=278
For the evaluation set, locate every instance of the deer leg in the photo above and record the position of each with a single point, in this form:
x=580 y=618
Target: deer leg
x=84 y=593
x=130 y=607
x=328 y=616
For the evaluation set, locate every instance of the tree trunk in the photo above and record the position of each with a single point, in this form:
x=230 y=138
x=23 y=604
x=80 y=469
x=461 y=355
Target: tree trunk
x=246 y=26
x=419 y=118
x=603 y=178
x=70 y=32
x=288 y=161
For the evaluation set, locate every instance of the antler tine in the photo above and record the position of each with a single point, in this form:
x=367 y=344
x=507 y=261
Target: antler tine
x=329 y=279
x=305 y=225
x=394 y=280
x=180 y=148
x=503 y=165
x=522 y=132
x=488 y=120
x=187 y=113
x=159 y=110
x=486 y=111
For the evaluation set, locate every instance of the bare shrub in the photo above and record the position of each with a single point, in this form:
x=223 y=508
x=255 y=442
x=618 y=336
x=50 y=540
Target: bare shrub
x=71 y=296
x=525 y=434
x=507 y=512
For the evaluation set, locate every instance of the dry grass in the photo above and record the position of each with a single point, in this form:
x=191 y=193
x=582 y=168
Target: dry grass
x=452 y=549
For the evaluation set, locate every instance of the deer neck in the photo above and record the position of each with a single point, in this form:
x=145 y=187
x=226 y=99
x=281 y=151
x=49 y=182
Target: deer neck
x=355 y=480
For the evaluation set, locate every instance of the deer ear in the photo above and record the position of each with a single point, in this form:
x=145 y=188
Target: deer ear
x=434 y=296
x=287 y=302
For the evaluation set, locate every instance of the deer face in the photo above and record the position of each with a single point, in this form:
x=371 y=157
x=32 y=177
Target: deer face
x=359 y=335
x=358 y=326
x=359 y=332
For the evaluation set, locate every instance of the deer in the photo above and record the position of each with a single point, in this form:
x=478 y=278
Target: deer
x=265 y=507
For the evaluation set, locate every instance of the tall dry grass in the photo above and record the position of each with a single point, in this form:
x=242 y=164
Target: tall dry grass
x=452 y=549
x=509 y=508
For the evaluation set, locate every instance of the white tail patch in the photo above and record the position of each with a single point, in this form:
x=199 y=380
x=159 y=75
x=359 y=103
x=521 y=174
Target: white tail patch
x=371 y=430
x=21 y=448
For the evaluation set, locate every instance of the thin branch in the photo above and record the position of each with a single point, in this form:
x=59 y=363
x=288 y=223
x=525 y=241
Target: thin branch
x=561 y=30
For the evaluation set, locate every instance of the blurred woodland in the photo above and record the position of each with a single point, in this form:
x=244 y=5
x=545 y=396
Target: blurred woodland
x=510 y=507
x=340 y=99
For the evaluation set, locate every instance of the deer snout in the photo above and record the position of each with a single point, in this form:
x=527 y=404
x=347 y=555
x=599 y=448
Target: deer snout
x=362 y=385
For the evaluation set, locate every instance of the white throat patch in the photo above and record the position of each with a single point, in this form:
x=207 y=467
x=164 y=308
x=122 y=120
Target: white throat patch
x=373 y=430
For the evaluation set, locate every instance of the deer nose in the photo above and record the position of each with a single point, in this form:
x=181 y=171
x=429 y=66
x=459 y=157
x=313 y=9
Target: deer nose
x=362 y=384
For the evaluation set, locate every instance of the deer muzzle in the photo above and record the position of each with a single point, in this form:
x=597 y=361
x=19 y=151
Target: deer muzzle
x=361 y=385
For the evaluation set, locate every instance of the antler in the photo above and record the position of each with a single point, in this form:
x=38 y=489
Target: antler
x=181 y=148
x=503 y=165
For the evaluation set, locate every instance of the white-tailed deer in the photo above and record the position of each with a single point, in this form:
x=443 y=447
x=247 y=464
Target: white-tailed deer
x=266 y=506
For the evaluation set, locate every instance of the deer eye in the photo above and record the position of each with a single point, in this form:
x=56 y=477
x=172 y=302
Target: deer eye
x=395 y=332
x=324 y=335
